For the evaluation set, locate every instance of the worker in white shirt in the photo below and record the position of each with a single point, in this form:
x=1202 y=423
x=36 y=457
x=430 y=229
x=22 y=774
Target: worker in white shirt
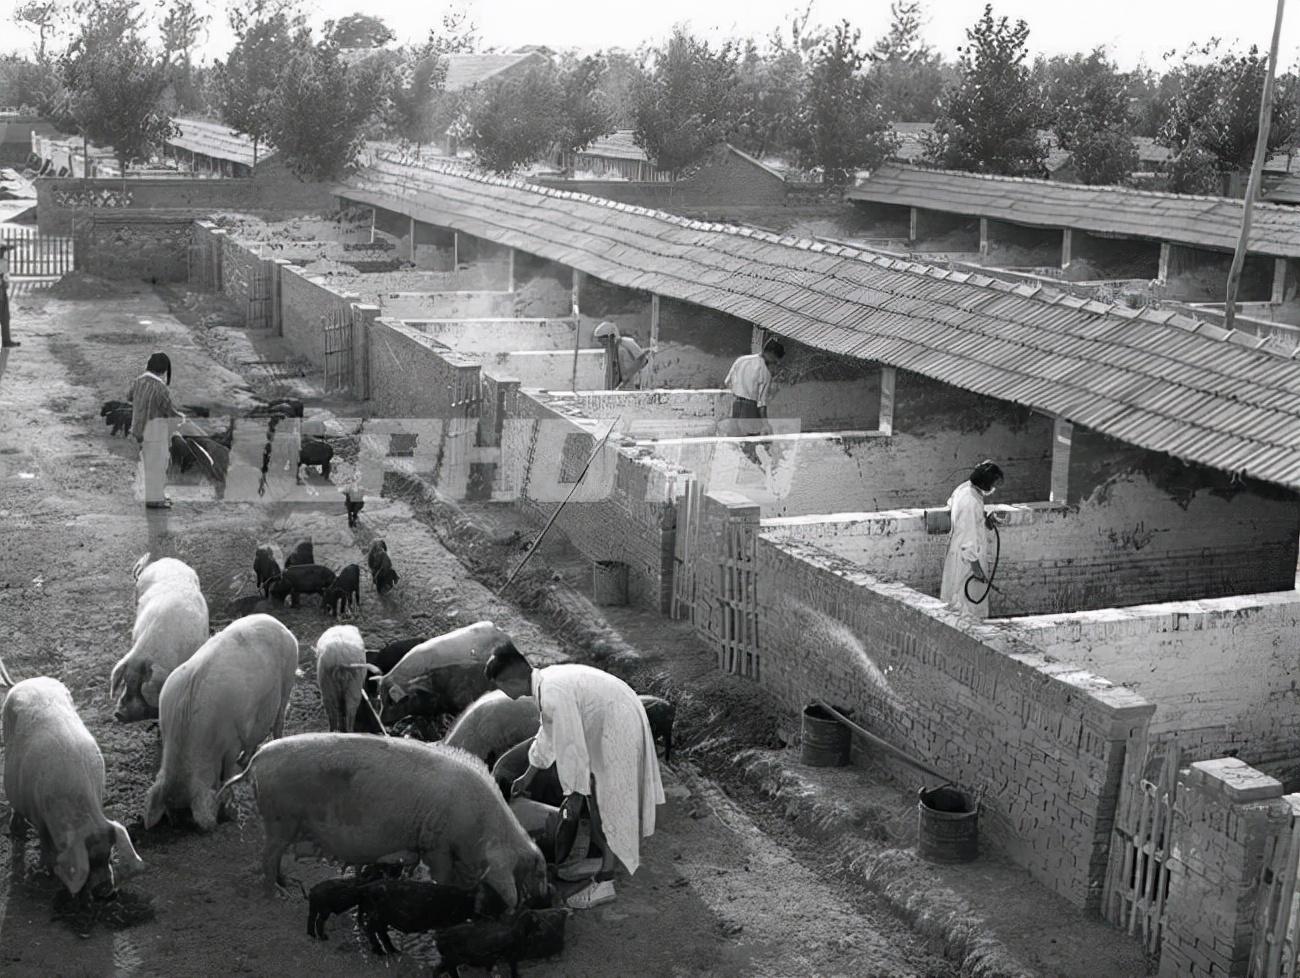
x=749 y=380
x=624 y=357
x=5 y=339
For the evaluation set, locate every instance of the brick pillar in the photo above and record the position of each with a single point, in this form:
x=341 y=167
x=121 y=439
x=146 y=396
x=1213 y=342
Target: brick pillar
x=984 y=238
x=218 y=253
x=887 y=380
x=363 y=317
x=1163 y=274
x=1062 y=436
x=278 y=265
x=1067 y=248
x=1224 y=814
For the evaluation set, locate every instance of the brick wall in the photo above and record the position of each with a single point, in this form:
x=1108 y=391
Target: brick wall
x=126 y=245
x=825 y=392
x=1221 y=672
x=547 y=370
x=504 y=335
x=302 y=304
x=238 y=265
x=440 y=305
x=622 y=511
x=274 y=193
x=412 y=378
x=1044 y=740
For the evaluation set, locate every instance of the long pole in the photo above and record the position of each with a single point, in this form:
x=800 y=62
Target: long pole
x=1256 y=168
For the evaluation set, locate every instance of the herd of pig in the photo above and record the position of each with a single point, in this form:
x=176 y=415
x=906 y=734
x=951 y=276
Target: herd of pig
x=354 y=795
x=280 y=577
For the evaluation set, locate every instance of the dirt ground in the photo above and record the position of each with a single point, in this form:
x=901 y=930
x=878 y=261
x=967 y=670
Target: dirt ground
x=716 y=896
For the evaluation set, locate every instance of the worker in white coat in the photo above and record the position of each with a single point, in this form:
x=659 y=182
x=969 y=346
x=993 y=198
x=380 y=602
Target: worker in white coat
x=624 y=357
x=968 y=556
x=595 y=731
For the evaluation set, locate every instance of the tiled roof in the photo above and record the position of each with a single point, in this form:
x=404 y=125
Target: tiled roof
x=1157 y=379
x=1150 y=152
x=1286 y=190
x=467 y=70
x=1208 y=222
x=218 y=141
x=616 y=146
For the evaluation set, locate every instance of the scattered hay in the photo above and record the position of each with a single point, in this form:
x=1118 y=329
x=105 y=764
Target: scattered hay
x=82 y=914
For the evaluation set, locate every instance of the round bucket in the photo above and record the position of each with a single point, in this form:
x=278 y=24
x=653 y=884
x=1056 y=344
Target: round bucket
x=824 y=741
x=947 y=826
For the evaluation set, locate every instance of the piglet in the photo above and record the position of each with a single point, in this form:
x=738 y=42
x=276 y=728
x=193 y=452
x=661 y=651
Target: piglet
x=381 y=567
x=532 y=935
x=301 y=554
x=302 y=579
x=354 y=504
x=411 y=906
x=661 y=713
x=344 y=593
x=316 y=452
x=266 y=565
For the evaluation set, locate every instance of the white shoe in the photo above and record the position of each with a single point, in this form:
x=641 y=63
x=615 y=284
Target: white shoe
x=592 y=896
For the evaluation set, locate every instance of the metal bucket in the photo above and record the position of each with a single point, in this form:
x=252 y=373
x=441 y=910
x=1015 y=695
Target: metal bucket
x=824 y=741
x=947 y=828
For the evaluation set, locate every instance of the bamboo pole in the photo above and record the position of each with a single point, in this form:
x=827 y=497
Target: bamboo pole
x=1256 y=168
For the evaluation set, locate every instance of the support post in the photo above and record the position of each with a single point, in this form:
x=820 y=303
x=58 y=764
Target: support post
x=984 y=238
x=1062 y=436
x=411 y=255
x=574 y=298
x=455 y=251
x=372 y=226
x=913 y=221
x=1163 y=274
x=888 y=377
x=510 y=270
x=654 y=342
x=1067 y=248
x=1279 y=281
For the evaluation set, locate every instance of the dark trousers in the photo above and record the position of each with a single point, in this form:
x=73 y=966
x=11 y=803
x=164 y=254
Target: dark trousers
x=748 y=423
x=5 y=338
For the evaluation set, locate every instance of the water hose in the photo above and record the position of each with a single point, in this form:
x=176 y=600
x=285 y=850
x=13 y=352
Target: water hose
x=997 y=553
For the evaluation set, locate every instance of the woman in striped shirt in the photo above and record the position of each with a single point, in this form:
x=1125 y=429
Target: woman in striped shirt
x=152 y=409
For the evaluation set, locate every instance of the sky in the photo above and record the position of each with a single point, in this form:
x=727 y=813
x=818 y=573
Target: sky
x=1131 y=30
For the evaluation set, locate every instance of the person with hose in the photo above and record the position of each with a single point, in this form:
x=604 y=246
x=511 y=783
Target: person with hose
x=967 y=570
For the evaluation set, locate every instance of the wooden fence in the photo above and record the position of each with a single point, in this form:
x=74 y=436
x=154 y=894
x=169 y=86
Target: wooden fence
x=36 y=255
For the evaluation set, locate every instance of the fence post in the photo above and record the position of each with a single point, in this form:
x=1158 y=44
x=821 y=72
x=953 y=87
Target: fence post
x=1225 y=814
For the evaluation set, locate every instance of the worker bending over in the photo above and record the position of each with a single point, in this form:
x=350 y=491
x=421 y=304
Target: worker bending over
x=749 y=380
x=624 y=357
x=968 y=550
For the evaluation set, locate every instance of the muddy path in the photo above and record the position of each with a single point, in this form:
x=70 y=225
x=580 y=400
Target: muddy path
x=715 y=895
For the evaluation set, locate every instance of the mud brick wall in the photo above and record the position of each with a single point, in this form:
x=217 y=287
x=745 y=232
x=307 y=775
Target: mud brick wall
x=622 y=511
x=1044 y=739
x=824 y=391
x=505 y=335
x=546 y=369
x=440 y=305
x=1221 y=672
x=238 y=265
x=127 y=245
x=1225 y=816
x=302 y=304
x=412 y=378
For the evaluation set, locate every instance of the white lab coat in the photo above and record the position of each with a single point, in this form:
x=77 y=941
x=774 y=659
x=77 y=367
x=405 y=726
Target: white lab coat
x=968 y=541
x=594 y=728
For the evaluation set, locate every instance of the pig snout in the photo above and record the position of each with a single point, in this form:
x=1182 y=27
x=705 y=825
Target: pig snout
x=131 y=708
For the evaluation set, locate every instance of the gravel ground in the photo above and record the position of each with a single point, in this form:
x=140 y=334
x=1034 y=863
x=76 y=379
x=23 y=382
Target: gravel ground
x=716 y=896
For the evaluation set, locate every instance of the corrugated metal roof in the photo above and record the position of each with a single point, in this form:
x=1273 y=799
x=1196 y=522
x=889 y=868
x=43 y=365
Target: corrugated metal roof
x=1207 y=222
x=1154 y=380
x=218 y=141
x=617 y=145
x=467 y=70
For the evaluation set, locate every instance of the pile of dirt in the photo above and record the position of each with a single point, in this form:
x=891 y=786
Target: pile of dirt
x=79 y=285
x=541 y=298
x=206 y=309
x=958 y=240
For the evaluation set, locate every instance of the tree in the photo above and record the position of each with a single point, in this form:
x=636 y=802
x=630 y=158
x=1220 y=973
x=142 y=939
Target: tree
x=250 y=75
x=841 y=127
x=416 y=83
x=1149 y=98
x=1195 y=171
x=115 y=81
x=513 y=122
x=684 y=108
x=181 y=28
x=583 y=115
x=908 y=75
x=358 y=31
x=1215 y=106
x=322 y=108
x=31 y=86
x=42 y=16
x=618 y=84
x=988 y=120
x=1086 y=104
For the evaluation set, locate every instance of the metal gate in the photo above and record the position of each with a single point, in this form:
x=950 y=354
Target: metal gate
x=1137 y=878
x=336 y=324
x=259 y=296
x=36 y=255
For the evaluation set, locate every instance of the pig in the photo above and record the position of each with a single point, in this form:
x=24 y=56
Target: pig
x=341 y=894
x=467 y=646
x=354 y=504
x=344 y=593
x=267 y=561
x=317 y=452
x=109 y=407
x=301 y=554
x=513 y=764
x=360 y=798
x=171 y=623
x=381 y=567
x=146 y=574
x=392 y=653
x=117 y=415
x=366 y=720
x=411 y=906
x=54 y=780
x=217 y=707
x=530 y=936
x=341 y=669
x=447 y=690
x=302 y=579
x=285 y=408
x=660 y=713
x=492 y=724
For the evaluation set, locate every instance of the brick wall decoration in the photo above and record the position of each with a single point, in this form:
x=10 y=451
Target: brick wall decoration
x=1043 y=739
x=127 y=245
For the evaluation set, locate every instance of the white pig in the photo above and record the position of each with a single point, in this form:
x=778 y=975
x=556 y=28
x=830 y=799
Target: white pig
x=492 y=724
x=166 y=568
x=341 y=670
x=171 y=622
x=464 y=646
x=216 y=707
x=54 y=779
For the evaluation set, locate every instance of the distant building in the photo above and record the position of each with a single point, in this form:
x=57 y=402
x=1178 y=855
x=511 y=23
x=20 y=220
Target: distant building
x=209 y=147
x=469 y=70
x=613 y=157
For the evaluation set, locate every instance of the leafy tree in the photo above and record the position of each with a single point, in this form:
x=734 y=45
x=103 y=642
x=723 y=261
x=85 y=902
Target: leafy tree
x=618 y=84
x=583 y=115
x=42 y=16
x=513 y=123
x=988 y=120
x=1149 y=98
x=414 y=96
x=1086 y=104
x=684 y=108
x=908 y=75
x=182 y=27
x=246 y=81
x=841 y=127
x=358 y=31
x=1195 y=171
x=322 y=108
x=115 y=81
x=1215 y=106
x=455 y=34
x=31 y=86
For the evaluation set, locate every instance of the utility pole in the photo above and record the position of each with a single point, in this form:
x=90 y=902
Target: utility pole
x=1256 y=168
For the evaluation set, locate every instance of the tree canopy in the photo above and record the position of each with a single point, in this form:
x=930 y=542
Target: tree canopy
x=1086 y=104
x=358 y=31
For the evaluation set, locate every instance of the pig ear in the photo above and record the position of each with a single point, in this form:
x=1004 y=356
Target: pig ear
x=126 y=852
x=72 y=865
